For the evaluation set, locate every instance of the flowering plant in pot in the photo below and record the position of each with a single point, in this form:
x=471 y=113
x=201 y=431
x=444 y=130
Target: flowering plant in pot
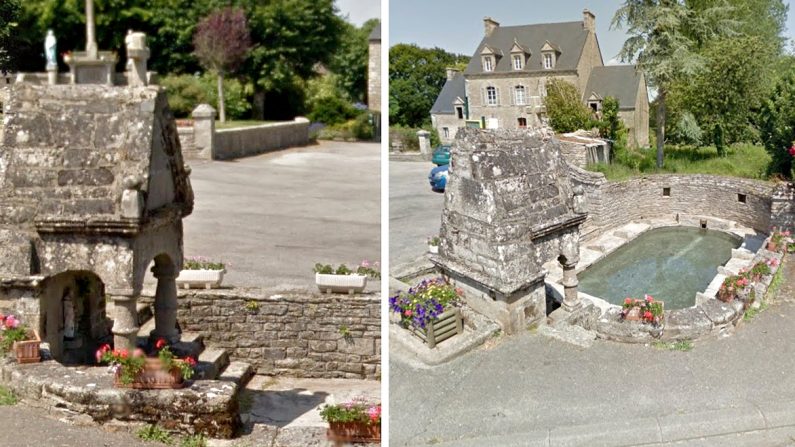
x=344 y=279
x=433 y=244
x=647 y=310
x=136 y=370
x=356 y=421
x=201 y=272
x=14 y=336
x=731 y=287
x=430 y=310
x=779 y=241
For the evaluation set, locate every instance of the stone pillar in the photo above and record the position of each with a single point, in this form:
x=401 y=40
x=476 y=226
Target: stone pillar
x=125 y=320
x=91 y=40
x=571 y=299
x=204 y=130
x=425 y=142
x=52 y=74
x=165 y=303
x=137 y=55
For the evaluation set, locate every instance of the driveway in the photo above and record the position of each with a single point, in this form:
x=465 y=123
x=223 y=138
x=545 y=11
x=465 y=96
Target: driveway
x=273 y=216
x=415 y=212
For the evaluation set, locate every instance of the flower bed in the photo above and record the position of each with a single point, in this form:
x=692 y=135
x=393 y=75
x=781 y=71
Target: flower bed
x=780 y=242
x=430 y=311
x=740 y=286
x=355 y=421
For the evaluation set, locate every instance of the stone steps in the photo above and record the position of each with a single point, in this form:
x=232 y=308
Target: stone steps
x=238 y=372
x=212 y=362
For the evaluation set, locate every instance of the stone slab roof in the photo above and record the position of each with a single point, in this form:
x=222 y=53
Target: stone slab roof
x=375 y=34
x=569 y=37
x=453 y=88
x=70 y=153
x=619 y=81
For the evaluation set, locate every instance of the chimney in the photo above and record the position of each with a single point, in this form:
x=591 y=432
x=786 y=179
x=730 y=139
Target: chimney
x=490 y=25
x=588 y=21
x=451 y=73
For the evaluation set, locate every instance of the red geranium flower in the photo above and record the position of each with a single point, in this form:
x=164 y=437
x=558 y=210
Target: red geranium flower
x=160 y=343
x=190 y=361
x=791 y=150
x=648 y=315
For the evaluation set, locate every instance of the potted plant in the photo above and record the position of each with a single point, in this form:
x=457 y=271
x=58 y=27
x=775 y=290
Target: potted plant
x=731 y=287
x=25 y=342
x=343 y=279
x=138 y=371
x=201 y=272
x=647 y=310
x=779 y=241
x=429 y=310
x=433 y=244
x=759 y=270
x=355 y=421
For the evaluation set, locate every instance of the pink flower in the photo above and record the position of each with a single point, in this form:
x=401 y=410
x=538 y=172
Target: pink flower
x=11 y=322
x=627 y=300
x=408 y=313
x=649 y=298
x=98 y=355
x=374 y=413
x=139 y=353
x=791 y=151
x=365 y=263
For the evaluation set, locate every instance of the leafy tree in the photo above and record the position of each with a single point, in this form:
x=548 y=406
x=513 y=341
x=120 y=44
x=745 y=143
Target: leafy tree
x=350 y=61
x=222 y=42
x=778 y=125
x=9 y=14
x=664 y=38
x=611 y=126
x=416 y=76
x=565 y=108
x=688 y=131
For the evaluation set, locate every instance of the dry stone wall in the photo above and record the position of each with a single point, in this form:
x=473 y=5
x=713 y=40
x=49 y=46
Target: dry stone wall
x=315 y=336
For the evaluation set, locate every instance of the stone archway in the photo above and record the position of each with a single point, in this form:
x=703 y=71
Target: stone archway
x=73 y=318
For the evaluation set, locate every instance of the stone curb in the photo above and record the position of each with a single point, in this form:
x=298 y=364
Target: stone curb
x=680 y=429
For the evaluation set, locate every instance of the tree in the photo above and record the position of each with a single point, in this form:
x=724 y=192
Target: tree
x=416 y=76
x=9 y=14
x=611 y=126
x=778 y=125
x=565 y=108
x=350 y=61
x=664 y=38
x=222 y=42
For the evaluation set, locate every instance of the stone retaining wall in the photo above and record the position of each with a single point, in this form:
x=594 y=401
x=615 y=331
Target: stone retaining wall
x=324 y=336
x=613 y=204
x=254 y=140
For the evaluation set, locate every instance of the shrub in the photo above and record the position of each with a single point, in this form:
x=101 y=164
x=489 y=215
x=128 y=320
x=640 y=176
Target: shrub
x=611 y=126
x=332 y=110
x=778 y=125
x=363 y=127
x=185 y=92
x=565 y=108
x=688 y=131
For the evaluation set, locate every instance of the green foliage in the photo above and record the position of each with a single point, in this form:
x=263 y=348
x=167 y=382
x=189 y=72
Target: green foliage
x=185 y=92
x=9 y=336
x=611 y=126
x=718 y=139
x=565 y=108
x=365 y=268
x=331 y=110
x=153 y=433
x=741 y=160
x=777 y=119
x=9 y=15
x=193 y=441
x=355 y=411
x=350 y=61
x=7 y=397
x=688 y=131
x=252 y=306
x=360 y=128
x=682 y=345
x=200 y=263
x=416 y=76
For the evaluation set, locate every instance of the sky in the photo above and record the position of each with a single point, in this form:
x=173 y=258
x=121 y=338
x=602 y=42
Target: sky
x=359 y=11
x=457 y=25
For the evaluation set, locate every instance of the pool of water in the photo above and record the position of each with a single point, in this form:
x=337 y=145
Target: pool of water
x=671 y=264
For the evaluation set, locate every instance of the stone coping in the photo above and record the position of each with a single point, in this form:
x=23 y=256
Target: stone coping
x=204 y=406
x=272 y=295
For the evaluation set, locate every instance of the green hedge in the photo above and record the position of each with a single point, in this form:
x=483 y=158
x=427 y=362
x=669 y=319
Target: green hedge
x=185 y=92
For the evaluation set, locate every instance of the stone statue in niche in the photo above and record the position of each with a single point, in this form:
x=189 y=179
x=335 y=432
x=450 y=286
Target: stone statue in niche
x=50 y=45
x=68 y=316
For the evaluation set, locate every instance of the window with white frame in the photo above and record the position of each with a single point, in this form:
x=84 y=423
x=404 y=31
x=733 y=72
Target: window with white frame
x=548 y=61
x=518 y=63
x=491 y=96
x=488 y=63
x=519 y=95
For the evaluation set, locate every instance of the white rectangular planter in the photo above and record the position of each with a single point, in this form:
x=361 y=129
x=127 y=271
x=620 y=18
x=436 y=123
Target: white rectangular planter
x=433 y=249
x=207 y=279
x=340 y=283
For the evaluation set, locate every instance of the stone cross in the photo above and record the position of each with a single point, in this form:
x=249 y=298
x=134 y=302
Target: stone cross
x=91 y=40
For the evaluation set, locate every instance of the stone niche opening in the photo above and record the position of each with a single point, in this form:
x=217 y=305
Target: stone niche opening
x=73 y=319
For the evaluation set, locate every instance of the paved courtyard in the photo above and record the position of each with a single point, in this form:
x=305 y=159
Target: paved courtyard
x=415 y=212
x=530 y=390
x=272 y=217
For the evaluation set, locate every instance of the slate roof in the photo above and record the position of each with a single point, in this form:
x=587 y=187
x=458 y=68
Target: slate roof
x=452 y=89
x=376 y=33
x=619 y=81
x=569 y=37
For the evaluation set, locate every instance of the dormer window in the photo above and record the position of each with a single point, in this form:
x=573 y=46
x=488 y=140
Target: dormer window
x=549 y=61
x=518 y=62
x=488 y=63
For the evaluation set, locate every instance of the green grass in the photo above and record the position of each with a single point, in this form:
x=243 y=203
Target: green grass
x=153 y=433
x=683 y=345
x=231 y=124
x=7 y=397
x=751 y=312
x=775 y=283
x=193 y=441
x=741 y=160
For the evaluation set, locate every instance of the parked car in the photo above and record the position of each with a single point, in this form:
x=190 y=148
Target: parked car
x=438 y=178
x=441 y=155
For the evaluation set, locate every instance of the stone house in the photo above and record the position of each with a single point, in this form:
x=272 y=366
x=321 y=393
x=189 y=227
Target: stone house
x=504 y=84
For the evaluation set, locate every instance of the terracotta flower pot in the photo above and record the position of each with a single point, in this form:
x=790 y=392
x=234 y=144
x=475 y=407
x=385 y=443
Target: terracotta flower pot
x=27 y=351
x=354 y=432
x=153 y=377
x=633 y=314
x=771 y=246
